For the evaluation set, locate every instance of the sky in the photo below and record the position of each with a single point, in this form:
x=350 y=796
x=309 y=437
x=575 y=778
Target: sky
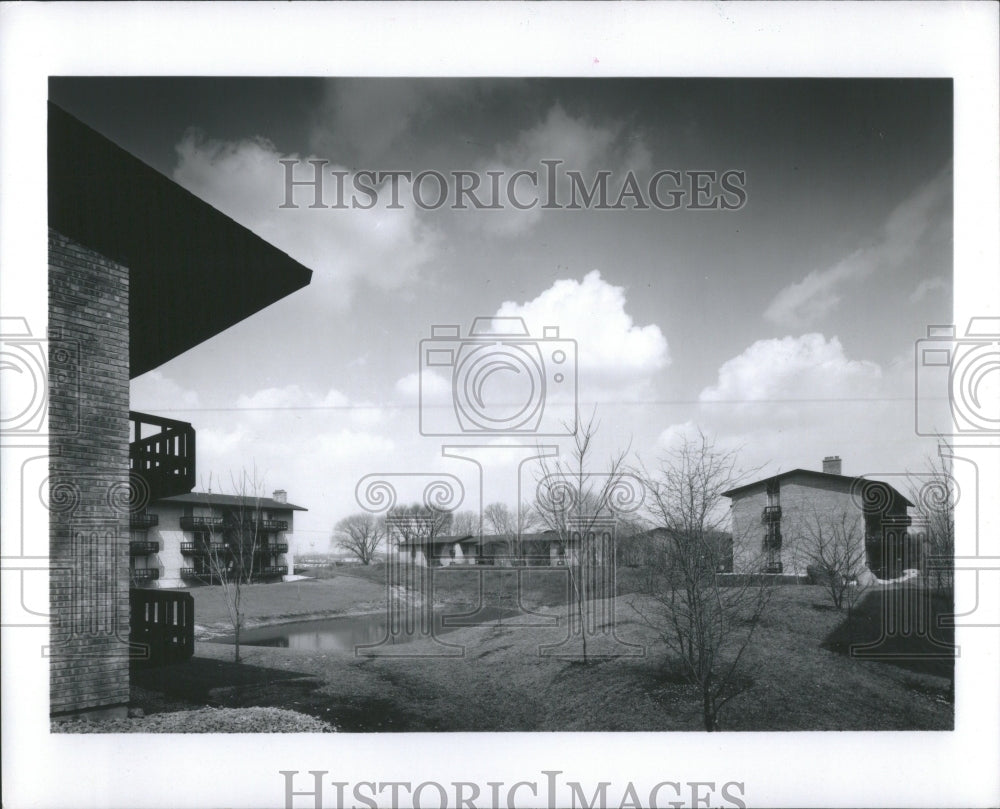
x=781 y=322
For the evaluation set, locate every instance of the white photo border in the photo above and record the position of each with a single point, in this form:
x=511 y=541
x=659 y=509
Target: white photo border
x=935 y=39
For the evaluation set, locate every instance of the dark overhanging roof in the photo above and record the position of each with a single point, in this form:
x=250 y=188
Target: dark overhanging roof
x=193 y=271
x=443 y=540
x=846 y=479
x=485 y=539
x=249 y=501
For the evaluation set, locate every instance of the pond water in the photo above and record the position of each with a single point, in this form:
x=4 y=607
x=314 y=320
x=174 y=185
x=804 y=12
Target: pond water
x=344 y=634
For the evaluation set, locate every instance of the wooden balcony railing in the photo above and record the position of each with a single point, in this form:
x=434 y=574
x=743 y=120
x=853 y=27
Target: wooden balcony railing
x=166 y=460
x=278 y=547
x=143 y=547
x=201 y=524
x=162 y=624
x=205 y=577
x=146 y=574
x=142 y=521
x=771 y=514
x=272 y=526
x=203 y=548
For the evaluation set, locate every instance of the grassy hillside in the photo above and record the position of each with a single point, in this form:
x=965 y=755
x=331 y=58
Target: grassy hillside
x=800 y=672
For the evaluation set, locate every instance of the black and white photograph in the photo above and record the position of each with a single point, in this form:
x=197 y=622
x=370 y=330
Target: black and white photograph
x=375 y=418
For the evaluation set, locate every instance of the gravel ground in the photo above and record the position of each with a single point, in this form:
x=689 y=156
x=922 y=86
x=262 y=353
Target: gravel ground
x=203 y=720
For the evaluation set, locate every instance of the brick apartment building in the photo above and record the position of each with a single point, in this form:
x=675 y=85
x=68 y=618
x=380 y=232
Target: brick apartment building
x=139 y=271
x=188 y=539
x=775 y=521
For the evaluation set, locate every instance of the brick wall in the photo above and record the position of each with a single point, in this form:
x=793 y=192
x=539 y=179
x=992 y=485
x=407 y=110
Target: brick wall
x=803 y=501
x=88 y=478
x=748 y=530
x=807 y=508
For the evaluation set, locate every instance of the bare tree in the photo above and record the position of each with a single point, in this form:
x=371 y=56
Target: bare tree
x=417 y=525
x=500 y=520
x=465 y=523
x=935 y=498
x=571 y=500
x=706 y=624
x=506 y=525
x=232 y=545
x=359 y=534
x=833 y=545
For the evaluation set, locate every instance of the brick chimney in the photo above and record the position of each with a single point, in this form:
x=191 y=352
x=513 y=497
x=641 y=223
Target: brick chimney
x=831 y=465
x=282 y=496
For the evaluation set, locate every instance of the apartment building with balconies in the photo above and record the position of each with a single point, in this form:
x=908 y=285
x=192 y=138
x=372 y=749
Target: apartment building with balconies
x=196 y=538
x=777 y=522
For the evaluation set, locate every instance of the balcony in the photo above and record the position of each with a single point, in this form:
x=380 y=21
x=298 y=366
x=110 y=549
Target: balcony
x=278 y=547
x=205 y=577
x=272 y=526
x=163 y=461
x=202 y=548
x=143 y=547
x=142 y=521
x=771 y=514
x=144 y=575
x=201 y=524
x=273 y=570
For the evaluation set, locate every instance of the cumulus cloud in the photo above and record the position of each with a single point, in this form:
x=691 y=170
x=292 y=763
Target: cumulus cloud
x=215 y=443
x=315 y=444
x=153 y=391
x=923 y=219
x=615 y=357
x=245 y=180
x=788 y=403
x=806 y=368
x=617 y=360
x=291 y=397
x=434 y=385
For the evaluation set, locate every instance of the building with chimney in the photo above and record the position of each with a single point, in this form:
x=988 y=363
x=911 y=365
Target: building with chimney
x=192 y=539
x=779 y=522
